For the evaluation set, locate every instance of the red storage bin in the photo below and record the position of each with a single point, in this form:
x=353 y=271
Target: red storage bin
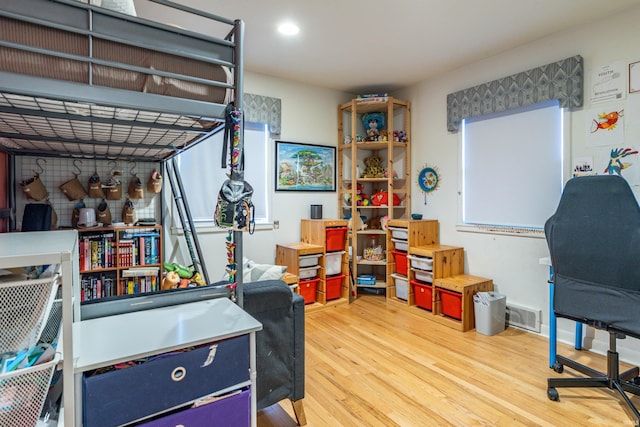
x=335 y=239
x=333 y=286
x=451 y=303
x=423 y=294
x=308 y=290
x=401 y=262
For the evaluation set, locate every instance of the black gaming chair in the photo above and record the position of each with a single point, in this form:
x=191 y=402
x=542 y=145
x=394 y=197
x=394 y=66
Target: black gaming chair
x=594 y=242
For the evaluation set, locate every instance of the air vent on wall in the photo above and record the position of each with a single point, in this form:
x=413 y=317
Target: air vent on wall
x=523 y=318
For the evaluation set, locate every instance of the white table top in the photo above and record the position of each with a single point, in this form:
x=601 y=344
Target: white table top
x=114 y=339
x=36 y=247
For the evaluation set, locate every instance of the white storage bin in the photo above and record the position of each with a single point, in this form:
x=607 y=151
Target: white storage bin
x=399 y=233
x=308 y=272
x=402 y=286
x=333 y=262
x=420 y=262
x=423 y=276
x=401 y=245
x=308 y=260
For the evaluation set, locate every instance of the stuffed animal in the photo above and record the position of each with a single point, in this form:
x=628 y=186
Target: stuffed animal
x=170 y=281
x=373 y=168
x=381 y=198
x=374 y=223
x=357 y=223
x=362 y=199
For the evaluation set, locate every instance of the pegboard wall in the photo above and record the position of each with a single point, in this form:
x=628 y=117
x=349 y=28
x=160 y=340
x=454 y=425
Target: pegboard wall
x=55 y=171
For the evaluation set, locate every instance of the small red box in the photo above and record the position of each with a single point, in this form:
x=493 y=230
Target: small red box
x=451 y=303
x=333 y=286
x=308 y=290
x=401 y=262
x=422 y=293
x=335 y=239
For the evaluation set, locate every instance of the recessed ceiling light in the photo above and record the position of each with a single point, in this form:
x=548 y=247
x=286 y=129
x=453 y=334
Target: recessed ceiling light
x=289 y=29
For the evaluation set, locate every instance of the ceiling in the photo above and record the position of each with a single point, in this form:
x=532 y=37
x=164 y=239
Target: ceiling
x=369 y=46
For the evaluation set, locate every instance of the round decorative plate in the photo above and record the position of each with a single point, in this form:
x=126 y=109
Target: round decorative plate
x=428 y=179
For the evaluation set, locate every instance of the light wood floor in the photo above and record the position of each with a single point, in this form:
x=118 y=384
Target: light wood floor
x=375 y=363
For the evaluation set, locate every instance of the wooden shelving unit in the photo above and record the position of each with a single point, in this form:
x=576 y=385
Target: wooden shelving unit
x=116 y=261
x=353 y=148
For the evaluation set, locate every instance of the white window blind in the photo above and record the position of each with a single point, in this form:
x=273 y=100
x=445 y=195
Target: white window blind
x=202 y=176
x=512 y=167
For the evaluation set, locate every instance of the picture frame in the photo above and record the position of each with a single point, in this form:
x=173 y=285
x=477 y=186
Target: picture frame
x=634 y=77
x=305 y=167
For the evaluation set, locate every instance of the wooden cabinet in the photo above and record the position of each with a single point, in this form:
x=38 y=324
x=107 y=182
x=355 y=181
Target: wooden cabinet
x=402 y=235
x=304 y=260
x=117 y=261
x=368 y=189
x=331 y=234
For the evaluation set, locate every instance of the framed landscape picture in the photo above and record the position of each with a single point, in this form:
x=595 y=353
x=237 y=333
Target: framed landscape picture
x=305 y=167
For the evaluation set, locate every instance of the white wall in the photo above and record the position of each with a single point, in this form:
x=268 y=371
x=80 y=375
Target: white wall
x=513 y=262
x=309 y=115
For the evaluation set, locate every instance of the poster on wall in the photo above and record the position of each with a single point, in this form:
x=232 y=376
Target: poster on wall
x=605 y=125
x=620 y=160
x=609 y=83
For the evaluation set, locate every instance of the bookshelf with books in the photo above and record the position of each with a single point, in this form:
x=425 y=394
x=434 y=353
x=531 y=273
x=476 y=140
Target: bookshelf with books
x=116 y=261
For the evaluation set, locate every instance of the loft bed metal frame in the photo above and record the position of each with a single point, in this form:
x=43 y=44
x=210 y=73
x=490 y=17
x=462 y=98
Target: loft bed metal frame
x=41 y=116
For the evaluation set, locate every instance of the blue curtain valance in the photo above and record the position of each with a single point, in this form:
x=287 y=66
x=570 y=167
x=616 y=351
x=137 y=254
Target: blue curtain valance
x=263 y=109
x=562 y=80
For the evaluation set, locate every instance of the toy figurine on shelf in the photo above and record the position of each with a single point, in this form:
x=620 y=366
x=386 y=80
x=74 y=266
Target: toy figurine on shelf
x=374 y=124
x=399 y=136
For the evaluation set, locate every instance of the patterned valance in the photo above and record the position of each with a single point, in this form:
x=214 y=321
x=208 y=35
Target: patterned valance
x=263 y=109
x=562 y=80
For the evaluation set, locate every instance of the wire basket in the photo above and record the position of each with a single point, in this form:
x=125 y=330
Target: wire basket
x=24 y=307
x=23 y=393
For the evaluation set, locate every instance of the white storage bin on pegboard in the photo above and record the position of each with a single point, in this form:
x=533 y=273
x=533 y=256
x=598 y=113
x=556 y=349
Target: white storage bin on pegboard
x=24 y=308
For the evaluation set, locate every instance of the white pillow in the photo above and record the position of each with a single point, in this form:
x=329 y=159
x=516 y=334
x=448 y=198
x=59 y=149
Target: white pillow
x=258 y=272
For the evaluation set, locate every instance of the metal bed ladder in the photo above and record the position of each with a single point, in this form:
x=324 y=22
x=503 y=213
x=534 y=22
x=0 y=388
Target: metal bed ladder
x=186 y=220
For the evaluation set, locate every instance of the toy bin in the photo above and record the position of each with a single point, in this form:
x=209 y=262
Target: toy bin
x=366 y=280
x=308 y=290
x=333 y=263
x=333 y=286
x=402 y=290
x=399 y=233
x=423 y=294
x=423 y=276
x=309 y=260
x=421 y=262
x=401 y=245
x=335 y=238
x=451 y=303
x=308 y=272
x=401 y=262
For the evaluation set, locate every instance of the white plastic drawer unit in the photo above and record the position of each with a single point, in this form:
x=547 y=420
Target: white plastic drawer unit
x=421 y=262
x=423 y=276
x=308 y=272
x=163 y=382
x=399 y=233
x=402 y=286
x=308 y=260
x=401 y=245
x=333 y=263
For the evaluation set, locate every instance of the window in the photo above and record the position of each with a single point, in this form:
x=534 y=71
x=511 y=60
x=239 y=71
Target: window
x=513 y=169
x=202 y=176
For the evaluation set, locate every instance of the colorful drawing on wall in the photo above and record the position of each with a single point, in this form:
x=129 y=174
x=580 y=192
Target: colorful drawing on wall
x=605 y=126
x=606 y=121
x=616 y=165
x=305 y=167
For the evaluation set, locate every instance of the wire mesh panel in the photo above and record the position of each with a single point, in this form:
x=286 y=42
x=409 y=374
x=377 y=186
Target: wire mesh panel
x=24 y=307
x=23 y=392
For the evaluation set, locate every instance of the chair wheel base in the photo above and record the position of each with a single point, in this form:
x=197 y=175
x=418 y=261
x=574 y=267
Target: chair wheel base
x=558 y=367
x=552 y=394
